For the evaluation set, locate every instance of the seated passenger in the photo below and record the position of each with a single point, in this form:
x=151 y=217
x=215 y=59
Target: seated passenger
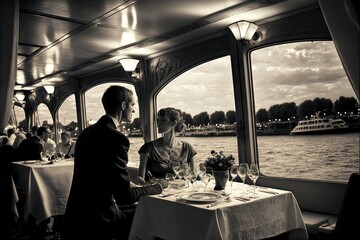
x=156 y=156
x=49 y=145
x=11 y=135
x=19 y=138
x=66 y=147
x=102 y=200
x=29 y=149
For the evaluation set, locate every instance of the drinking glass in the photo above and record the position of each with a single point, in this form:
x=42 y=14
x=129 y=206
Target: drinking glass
x=170 y=177
x=202 y=169
x=254 y=175
x=49 y=154
x=183 y=172
x=205 y=178
x=233 y=173
x=190 y=177
x=175 y=166
x=243 y=173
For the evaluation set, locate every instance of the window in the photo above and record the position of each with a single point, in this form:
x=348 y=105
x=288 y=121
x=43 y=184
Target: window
x=299 y=81
x=94 y=110
x=67 y=116
x=43 y=116
x=205 y=93
x=19 y=115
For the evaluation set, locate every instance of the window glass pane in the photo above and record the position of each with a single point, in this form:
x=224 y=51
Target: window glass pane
x=298 y=81
x=94 y=110
x=43 y=117
x=20 y=117
x=205 y=93
x=67 y=116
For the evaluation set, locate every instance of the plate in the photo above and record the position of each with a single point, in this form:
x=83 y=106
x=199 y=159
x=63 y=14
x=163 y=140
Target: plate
x=202 y=197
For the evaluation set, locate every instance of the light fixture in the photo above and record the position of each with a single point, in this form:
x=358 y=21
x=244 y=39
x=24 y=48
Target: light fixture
x=20 y=96
x=243 y=30
x=136 y=74
x=49 y=89
x=129 y=64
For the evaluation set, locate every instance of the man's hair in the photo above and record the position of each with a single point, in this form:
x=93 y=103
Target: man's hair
x=41 y=130
x=34 y=129
x=66 y=133
x=114 y=96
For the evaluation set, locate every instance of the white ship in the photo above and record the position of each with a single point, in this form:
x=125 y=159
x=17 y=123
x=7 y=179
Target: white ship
x=320 y=126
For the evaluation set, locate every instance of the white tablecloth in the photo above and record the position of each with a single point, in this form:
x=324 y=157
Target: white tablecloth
x=267 y=216
x=46 y=187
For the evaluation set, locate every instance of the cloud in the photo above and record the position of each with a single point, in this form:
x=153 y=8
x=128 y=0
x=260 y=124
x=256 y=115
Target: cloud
x=298 y=72
x=294 y=73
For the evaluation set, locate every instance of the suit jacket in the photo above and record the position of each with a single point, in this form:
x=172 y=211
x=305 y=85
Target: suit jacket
x=100 y=182
x=29 y=149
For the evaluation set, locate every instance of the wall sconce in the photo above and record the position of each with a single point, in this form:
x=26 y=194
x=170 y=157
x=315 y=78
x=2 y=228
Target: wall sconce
x=49 y=89
x=129 y=64
x=20 y=96
x=136 y=74
x=243 y=30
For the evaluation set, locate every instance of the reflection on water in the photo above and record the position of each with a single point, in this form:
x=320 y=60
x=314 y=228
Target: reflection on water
x=328 y=157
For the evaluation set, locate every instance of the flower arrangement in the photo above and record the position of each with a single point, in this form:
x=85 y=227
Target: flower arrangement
x=219 y=161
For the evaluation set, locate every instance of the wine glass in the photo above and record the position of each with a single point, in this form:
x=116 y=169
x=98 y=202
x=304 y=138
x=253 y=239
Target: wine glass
x=175 y=166
x=205 y=178
x=243 y=173
x=254 y=175
x=233 y=173
x=183 y=171
x=190 y=177
x=202 y=169
x=49 y=154
x=170 y=177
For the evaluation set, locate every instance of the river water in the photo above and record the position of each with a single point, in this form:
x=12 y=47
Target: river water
x=329 y=157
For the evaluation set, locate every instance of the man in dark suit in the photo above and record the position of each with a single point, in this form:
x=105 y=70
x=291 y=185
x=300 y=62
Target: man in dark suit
x=29 y=149
x=101 y=184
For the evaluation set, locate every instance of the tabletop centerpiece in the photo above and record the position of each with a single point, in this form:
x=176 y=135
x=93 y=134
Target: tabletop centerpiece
x=220 y=165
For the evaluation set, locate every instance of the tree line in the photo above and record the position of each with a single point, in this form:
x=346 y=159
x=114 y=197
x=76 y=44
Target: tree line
x=278 y=112
x=322 y=106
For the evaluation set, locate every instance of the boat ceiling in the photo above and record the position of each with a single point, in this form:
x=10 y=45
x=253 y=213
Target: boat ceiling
x=62 y=40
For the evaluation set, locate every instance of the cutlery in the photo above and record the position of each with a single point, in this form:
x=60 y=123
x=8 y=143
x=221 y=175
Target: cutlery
x=268 y=191
x=242 y=199
x=225 y=200
x=166 y=195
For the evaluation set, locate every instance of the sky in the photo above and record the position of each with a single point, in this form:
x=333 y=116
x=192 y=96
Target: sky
x=299 y=72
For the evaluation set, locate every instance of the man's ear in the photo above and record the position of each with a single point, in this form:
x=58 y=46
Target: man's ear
x=123 y=105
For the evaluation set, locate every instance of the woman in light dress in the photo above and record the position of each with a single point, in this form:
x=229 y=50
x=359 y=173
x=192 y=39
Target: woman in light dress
x=157 y=156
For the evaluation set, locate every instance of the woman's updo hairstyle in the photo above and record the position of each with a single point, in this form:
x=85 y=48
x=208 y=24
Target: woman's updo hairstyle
x=174 y=115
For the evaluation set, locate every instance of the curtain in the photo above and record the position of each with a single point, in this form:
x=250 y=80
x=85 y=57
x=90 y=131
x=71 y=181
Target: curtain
x=342 y=19
x=9 y=33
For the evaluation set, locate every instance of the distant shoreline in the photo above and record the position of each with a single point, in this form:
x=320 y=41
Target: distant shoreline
x=258 y=133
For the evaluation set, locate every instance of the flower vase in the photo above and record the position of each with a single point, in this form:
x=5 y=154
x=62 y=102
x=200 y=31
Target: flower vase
x=221 y=178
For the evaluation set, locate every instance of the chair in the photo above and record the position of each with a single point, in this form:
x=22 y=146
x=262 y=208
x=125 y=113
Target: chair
x=347 y=224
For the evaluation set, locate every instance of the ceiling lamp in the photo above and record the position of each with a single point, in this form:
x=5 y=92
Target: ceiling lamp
x=129 y=64
x=49 y=89
x=243 y=30
x=20 y=96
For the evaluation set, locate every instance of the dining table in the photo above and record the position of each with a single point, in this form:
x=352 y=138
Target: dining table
x=204 y=213
x=45 y=185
